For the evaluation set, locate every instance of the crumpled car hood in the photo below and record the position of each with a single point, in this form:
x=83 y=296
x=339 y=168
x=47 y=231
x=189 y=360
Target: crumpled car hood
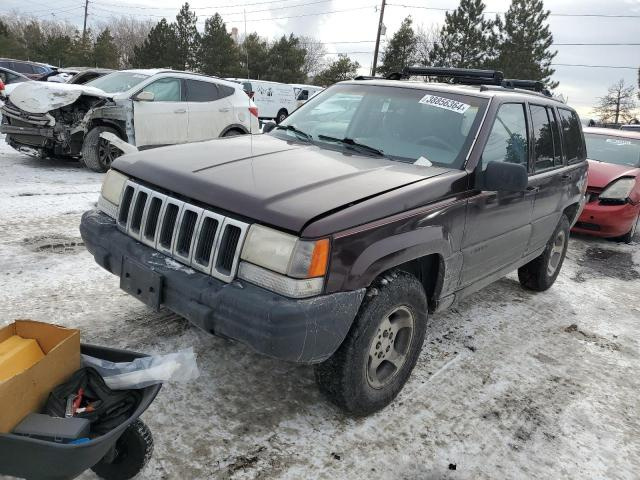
x=602 y=174
x=42 y=97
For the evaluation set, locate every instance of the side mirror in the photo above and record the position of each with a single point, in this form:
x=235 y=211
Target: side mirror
x=144 y=96
x=505 y=177
x=268 y=126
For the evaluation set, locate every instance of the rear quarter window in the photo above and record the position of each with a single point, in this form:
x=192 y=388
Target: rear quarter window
x=198 y=91
x=572 y=138
x=226 y=91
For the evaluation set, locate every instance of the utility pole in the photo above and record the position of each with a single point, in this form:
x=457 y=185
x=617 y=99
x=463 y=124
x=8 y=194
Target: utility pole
x=380 y=26
x=84 y=25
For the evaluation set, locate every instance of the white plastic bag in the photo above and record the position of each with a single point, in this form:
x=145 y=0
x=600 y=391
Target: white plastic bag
x=145 y=371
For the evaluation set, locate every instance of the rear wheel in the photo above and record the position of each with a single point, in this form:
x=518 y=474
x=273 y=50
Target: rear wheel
x=541 y=272
x=628 y=237
x=234 y=132
x=133 y=451
x=381 y=349
x=98 y=153
x=282 y=114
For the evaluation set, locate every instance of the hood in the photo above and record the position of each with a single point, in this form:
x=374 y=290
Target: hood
x=602 y=174
x=42 y=97
x=276 y=182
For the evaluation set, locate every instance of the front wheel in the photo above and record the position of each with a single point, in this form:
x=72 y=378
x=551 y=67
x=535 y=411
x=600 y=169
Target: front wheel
x=98 y=153
x=381 y=349
x=541 y=272
x=133 y=451
x=628 y=237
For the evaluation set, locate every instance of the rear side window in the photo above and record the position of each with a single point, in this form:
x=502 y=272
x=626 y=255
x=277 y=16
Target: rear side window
x=572 y=141
x=508 y=138
x=23 y=68
x=546 y=148
x=226 y=91
x=201 y=91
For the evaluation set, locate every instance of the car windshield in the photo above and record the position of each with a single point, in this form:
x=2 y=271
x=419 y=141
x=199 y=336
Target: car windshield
x=400 y=123
x=117 y=82
x=613 y=149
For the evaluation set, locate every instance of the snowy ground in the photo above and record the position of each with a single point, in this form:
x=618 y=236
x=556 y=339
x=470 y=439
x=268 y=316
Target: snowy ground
x=511 y=384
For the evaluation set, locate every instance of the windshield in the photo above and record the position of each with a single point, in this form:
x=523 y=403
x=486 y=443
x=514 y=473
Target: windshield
x=613 y=149
x=403 y=124
x=117 y=82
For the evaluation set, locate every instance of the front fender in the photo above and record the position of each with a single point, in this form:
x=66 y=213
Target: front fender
x=363 y=253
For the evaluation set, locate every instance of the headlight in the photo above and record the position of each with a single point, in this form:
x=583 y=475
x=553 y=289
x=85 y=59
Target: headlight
x=112 y=187
x=284 y=263
x=618 y=190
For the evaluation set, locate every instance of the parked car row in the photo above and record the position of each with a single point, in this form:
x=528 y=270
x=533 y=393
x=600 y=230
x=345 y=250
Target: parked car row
x=138 y=108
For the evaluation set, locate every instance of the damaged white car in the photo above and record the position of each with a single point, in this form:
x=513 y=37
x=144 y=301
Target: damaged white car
x=124 y=111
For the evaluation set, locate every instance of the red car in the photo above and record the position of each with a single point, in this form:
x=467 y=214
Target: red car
x=613 y=191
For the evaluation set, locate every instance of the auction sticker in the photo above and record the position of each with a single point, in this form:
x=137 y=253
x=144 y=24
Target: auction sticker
x=446 y=103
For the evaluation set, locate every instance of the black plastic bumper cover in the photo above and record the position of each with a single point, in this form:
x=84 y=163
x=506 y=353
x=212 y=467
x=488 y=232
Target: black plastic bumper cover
x=303 y=331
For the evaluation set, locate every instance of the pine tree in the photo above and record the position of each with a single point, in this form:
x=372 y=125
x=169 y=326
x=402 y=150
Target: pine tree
x=466 y=38
x=10 y=45
x=618 y=105
x=341 y=69
x=105 y=53
x=81 y=52
x=255 y=50
x=159 y=48
x=218 y=53
x=524 y=41
x=401 y=49
x=286 y=60
x=188 y=38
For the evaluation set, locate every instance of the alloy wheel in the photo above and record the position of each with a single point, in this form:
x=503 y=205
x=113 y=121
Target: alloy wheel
x=390 y=346
x=556 y=252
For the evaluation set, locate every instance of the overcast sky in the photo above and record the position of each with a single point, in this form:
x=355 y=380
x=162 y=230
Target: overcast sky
x=356 y=21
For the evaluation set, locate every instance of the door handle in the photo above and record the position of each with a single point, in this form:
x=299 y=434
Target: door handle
x=224 y=110
x=565 y=178
x=532 y=189
x=180 y=110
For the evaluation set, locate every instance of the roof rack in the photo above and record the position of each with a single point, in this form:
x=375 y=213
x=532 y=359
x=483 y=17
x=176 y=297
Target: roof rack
x=459 y=75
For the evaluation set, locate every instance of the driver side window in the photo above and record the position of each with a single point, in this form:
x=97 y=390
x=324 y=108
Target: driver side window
x=166 y=90
x=508 y=138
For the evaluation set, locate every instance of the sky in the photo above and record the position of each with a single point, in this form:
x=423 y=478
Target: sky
x=350 y=26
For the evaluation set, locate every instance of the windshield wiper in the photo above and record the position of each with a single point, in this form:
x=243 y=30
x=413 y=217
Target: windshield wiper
x=352 y=143
x=294 y=129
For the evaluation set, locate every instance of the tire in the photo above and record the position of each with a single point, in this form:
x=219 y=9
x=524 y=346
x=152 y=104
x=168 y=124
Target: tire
x=349 y=378
x=541 y=272
x=133 y=451
x=628 y=237
x=97 y=153
x=282 y=114
x=233 y=133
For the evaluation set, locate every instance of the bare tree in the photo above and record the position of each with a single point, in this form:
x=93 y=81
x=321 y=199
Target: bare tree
x=127 y=33
x=426 y=38
x=618 y=104
x=315 y=59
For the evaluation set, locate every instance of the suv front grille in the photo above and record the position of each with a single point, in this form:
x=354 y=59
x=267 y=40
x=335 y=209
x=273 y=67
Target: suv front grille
x=200 y=238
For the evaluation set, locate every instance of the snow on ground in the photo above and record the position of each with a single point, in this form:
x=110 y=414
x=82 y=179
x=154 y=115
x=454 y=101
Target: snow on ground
x=510 y=384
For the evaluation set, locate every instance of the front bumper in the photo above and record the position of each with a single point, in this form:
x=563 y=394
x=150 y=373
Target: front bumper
x=607 y=220
x=303 y=331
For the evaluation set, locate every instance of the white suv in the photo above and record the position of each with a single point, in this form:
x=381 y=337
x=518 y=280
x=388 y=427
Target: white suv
x=144 y=108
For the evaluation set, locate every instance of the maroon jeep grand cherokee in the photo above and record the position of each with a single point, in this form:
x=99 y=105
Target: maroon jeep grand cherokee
x=331 y=238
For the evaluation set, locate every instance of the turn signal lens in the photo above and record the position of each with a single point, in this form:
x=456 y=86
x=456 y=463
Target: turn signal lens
x=319 y=258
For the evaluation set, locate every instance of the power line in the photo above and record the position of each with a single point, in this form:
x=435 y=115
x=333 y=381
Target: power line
x=596 y=15
x=328 y=12
x=592 y=66
x=234 y=5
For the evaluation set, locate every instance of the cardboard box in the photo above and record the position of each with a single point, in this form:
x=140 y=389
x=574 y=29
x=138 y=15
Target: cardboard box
x=28 y=391
x=17 y=354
